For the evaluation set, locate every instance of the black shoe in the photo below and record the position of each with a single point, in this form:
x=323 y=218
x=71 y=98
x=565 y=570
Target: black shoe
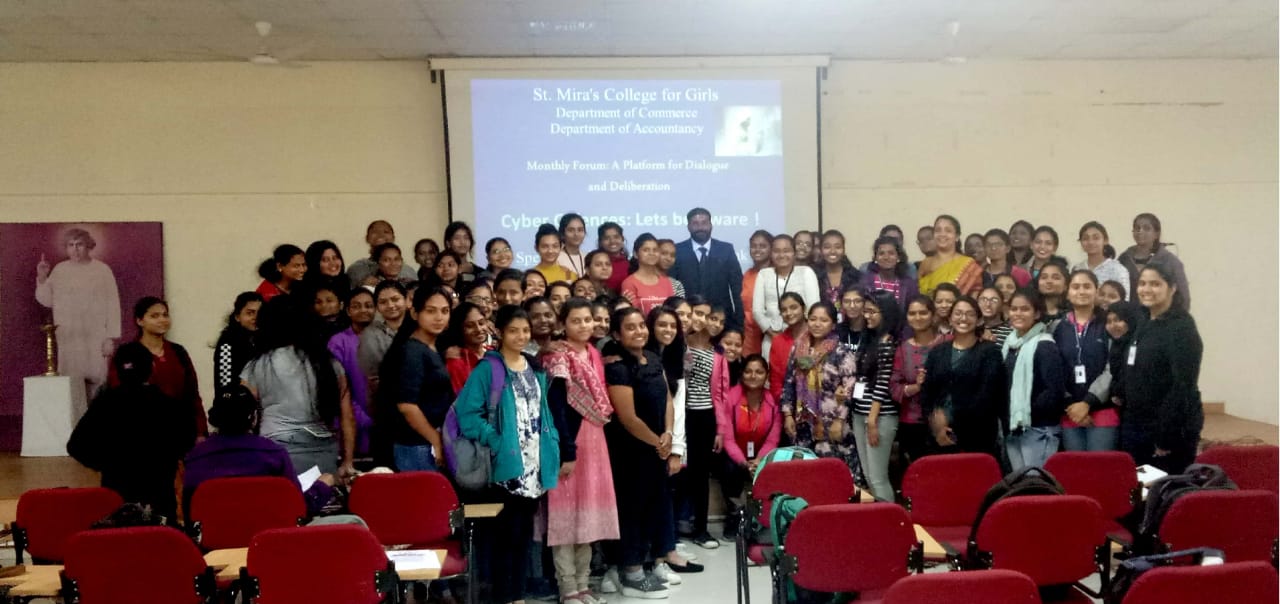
x=687 y=567
x=706 y=541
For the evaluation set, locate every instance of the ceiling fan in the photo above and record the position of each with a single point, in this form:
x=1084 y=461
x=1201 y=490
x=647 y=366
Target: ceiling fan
x=265 y=57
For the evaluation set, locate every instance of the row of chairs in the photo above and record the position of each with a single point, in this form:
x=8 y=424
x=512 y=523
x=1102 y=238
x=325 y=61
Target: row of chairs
x=160 y=565
x=418 y=509
x=1071 y=536
x=1235 y=582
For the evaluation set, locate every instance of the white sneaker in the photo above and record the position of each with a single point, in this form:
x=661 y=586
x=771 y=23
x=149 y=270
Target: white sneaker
x=609 y=582
x=682 y=548
x=665 y=573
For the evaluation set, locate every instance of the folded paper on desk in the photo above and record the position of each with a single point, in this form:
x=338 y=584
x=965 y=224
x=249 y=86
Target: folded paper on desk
x=1148 y=474
x=414 y=559
x=308 y=478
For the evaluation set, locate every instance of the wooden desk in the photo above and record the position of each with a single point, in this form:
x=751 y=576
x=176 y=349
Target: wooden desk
x=481 y=510
x=932 y=549
x=227 y=563
x=38 y=582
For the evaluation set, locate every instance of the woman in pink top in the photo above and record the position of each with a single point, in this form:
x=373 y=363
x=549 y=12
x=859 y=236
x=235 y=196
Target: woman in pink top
x=908 y=379
x=749 y=428
x=647 y=287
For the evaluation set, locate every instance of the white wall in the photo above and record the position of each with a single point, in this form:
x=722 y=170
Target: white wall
x=1062 y=143
x=235 y=158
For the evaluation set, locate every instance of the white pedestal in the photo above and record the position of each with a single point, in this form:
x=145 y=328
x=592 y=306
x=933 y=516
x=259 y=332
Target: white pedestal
x=51 y=406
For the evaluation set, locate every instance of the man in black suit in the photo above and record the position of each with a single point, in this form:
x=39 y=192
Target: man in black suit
x=709 y=267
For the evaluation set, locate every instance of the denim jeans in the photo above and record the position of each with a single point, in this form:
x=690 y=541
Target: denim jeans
x=1032 y=446
x=306 y=449
x=1093 y=438
x=875 y=460
x=410 y=458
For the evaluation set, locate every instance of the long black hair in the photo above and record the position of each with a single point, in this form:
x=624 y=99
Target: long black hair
x=672 y=355
x=285 y=323
x=890 y=323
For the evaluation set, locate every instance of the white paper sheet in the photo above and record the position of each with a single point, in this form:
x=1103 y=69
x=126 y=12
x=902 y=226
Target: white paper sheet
x=308 y=478
x=414 y=559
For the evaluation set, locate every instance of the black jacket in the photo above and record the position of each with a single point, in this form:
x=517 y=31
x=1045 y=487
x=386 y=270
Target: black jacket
x=1048 y=392
x=979 y=394
x=234 y=350
x=718 y=278
x=1161 y=387
x=1090 y=350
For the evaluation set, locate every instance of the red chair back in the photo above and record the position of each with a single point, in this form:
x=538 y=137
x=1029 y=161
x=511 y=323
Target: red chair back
x=850 y=547
x=51 y=516
x=1107 y=477
x=1249 y=467
x=334 y=564
x=405 y=508
x=822 y=481
x=1003 y=586
x=1243 y=524
x=232 y=510
x=947 y=490
x=1233 y=582
x=136 y=565
x=1050 y=538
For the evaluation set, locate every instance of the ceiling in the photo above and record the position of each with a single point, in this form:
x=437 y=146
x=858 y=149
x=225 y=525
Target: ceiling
x=202 y=30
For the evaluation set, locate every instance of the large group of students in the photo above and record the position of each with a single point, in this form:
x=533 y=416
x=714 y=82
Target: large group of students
x=612 y=384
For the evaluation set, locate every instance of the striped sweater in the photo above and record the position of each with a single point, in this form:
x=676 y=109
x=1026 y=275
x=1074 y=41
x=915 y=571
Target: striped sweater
x=877 y=384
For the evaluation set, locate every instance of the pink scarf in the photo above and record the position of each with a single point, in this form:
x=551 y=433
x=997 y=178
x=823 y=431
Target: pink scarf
x=584 y=383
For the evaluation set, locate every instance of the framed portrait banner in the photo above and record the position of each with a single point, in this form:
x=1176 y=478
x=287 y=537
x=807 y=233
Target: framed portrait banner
x=82 y=277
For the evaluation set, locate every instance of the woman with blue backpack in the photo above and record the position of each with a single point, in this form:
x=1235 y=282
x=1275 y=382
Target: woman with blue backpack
x=519 y=429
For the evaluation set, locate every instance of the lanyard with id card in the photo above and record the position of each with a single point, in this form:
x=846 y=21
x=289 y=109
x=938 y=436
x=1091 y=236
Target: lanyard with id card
x=1133 y=354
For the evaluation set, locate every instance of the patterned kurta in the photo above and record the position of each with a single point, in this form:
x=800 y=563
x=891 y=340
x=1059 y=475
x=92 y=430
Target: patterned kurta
x=809 y=395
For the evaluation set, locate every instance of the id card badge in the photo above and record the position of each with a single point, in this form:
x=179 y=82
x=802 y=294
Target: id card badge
x=859 y=390
x=1080 y=376
x=1133 y=354
x=751 y=450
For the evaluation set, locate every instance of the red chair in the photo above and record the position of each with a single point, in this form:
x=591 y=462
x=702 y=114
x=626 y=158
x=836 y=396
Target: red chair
x=1107 y=477
x=989 y=586
x=818 y=481
x=1249 y=467
x=334 y=564
x=944 y=492
x=419 y=509
x=47 y=518
x=137 y=565
x=1243 y=524
x=1056 y=540
x=848 y=547
x=1233 y=582
x=228 y=512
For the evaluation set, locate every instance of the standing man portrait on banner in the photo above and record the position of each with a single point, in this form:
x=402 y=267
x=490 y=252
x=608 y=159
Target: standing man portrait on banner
x=709 y=268
x=85 y=301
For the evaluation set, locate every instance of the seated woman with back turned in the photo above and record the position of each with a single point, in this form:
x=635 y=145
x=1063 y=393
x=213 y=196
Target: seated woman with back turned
x=234 y=450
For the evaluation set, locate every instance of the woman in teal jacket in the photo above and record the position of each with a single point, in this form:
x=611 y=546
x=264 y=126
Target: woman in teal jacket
x=521 y=432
